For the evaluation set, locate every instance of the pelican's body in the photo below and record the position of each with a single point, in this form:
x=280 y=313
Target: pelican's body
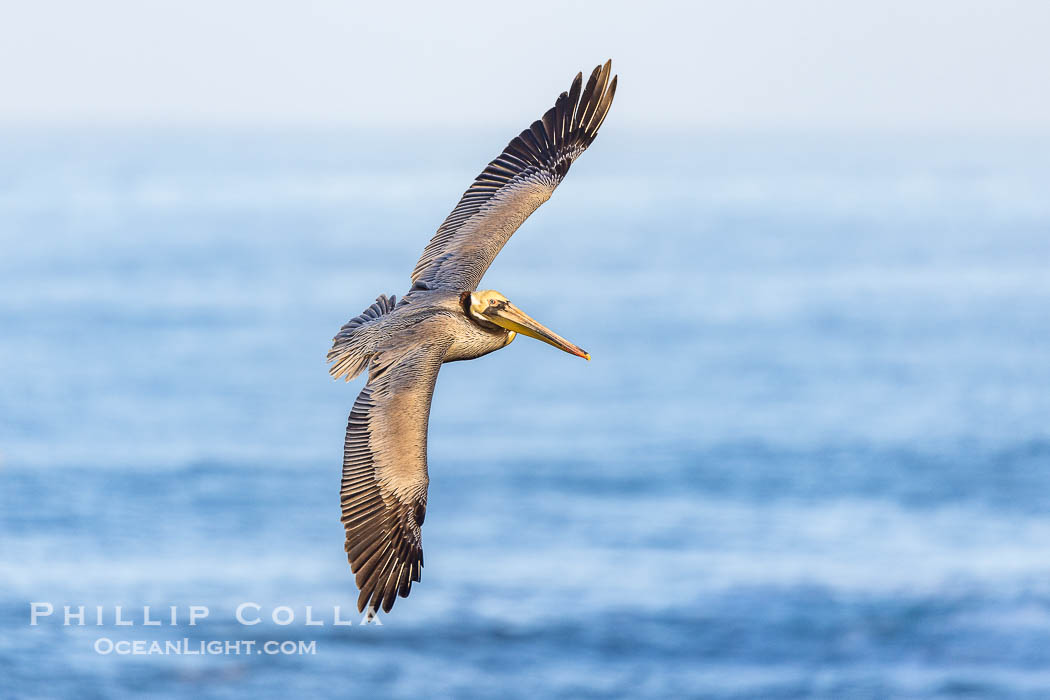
x=443 y=318
x=432 y=316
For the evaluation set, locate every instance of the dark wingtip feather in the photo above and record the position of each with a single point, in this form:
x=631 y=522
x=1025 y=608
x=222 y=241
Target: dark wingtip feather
x=588 y=97
x=561 y=108
x=363 y=599
x=574 y=103
x=577 y=85
x=603 y=108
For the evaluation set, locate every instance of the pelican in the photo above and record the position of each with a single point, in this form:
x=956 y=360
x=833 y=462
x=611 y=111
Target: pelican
x=443 y=318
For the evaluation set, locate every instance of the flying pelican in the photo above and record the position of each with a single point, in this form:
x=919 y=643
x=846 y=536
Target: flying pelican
x=443 y=318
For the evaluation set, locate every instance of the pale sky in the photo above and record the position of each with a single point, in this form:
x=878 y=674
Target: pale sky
x=750 y=64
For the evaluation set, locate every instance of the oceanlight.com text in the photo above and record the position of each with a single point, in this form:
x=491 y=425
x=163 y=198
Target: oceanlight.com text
x=213 y=647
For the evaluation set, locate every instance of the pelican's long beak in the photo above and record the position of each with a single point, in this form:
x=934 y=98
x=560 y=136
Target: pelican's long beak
x=514 y=319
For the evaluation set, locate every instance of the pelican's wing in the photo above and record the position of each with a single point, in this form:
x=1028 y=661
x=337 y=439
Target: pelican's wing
x=384 y=489
x=514 y=185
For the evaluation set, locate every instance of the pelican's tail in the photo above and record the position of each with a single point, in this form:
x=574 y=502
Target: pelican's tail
x=353 y=345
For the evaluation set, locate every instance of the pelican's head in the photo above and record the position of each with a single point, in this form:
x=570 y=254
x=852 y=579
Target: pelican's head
x=489 y=306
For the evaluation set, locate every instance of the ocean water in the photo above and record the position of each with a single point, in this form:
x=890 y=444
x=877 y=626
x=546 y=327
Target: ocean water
x=810 y=457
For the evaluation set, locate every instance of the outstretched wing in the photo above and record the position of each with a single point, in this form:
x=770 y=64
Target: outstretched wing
x=384 y=489
x=514 y=185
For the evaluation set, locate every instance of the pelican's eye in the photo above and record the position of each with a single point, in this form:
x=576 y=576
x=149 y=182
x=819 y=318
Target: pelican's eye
x=492 y=302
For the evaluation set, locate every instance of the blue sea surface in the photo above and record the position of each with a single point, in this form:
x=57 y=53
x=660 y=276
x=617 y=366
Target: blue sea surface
x=810 y=457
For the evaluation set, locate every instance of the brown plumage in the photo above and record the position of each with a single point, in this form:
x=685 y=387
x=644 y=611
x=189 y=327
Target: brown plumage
x=442 y=319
